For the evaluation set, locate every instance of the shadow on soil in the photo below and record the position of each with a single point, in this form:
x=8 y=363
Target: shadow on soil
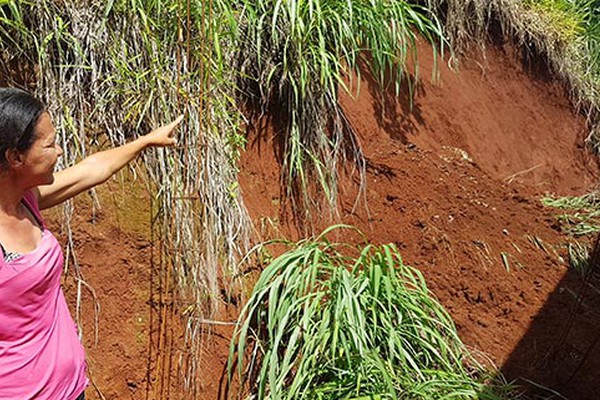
x=395 y=108
x=560 y=350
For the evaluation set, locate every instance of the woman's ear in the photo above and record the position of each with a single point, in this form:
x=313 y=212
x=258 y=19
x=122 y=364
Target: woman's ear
x=14 y=158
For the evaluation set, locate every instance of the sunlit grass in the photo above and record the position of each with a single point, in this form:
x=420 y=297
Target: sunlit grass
x=562 y=15
x=579 y=218
x=330 y=321
x=295 y=56
x=581 y=214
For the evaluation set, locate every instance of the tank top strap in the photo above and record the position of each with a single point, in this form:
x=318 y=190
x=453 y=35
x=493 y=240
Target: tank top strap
x=31 y=202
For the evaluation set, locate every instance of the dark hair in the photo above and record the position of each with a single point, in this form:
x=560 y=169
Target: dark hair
x=19 y=114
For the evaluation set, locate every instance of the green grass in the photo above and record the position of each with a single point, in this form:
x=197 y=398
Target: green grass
x=294 y=57
x=330 y=321
x=566 y=17
x=579 y=218
x=580 y=214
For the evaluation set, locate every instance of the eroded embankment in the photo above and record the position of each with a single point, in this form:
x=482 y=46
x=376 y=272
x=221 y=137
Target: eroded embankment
x=455 y=183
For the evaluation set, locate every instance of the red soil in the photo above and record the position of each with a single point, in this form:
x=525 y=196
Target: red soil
x=455 y=183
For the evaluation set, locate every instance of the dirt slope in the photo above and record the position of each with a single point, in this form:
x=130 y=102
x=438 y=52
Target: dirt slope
x=454 y=182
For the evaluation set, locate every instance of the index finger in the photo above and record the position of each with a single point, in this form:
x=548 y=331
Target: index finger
x=177 y=121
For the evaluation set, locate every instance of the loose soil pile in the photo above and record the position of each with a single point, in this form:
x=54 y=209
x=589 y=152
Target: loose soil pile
x=454 y=181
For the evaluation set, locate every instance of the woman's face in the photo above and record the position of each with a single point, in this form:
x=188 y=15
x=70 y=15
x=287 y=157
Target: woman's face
x=40 y=159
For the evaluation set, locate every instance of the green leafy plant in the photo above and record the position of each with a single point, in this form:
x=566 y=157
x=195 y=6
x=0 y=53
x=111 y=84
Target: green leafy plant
x=295 y=56
x=329 y=321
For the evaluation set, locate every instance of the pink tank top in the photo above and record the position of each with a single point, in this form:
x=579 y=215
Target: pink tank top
x=41 y=356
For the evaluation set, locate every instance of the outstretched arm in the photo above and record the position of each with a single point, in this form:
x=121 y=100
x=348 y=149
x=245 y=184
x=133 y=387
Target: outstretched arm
x=98 y=167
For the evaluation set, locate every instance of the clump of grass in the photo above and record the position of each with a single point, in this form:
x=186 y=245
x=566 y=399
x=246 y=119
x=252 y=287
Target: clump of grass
x=329 y=321
x=562 y=15
x=294 y=58
x=581 y=214
x=580 y=220
x=579 y=256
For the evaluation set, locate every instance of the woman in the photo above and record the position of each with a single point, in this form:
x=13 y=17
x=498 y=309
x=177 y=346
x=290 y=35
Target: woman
x=41 y=356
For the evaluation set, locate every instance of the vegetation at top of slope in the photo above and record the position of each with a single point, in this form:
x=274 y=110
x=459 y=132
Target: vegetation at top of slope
x=566 y=32
x=295 y=56
x=330 y=321
x=567 y=19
